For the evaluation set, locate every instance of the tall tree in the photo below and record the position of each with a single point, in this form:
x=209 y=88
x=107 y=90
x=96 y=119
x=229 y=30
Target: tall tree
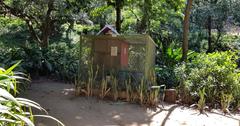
x=209 y=27
x=145 y=20
x=40 y=16
x=212 y=14
x=186 y=30
x=118 y=5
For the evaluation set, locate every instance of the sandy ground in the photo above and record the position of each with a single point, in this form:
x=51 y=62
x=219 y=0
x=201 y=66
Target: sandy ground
x=59 y=101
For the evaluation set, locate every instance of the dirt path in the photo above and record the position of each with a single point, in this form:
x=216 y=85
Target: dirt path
x=58 y=99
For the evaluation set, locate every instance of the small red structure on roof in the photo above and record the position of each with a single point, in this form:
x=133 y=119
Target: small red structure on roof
x=108 y=29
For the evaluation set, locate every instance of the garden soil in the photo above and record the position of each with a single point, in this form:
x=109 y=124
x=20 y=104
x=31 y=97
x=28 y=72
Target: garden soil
x=59 y=100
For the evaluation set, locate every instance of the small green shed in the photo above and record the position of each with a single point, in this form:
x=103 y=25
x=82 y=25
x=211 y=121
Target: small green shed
x=110 y=51
x=132 y=53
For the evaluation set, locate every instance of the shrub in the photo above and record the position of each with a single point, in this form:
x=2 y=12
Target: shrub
x=59 y=60
x=216 y=72
x=228 y=42
x=166 y=75
x=167 y=63
x=64 y=60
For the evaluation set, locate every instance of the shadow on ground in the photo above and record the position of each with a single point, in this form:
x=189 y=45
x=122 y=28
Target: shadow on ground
x=59 y=100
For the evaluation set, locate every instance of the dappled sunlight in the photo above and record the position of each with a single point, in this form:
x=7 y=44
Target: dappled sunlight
x=78 y=117
x=83 y=111
x=68 y=91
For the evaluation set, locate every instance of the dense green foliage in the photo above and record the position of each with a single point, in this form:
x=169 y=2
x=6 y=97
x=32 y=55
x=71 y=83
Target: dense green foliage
x=59 y=60
x=215 y=72
x=166 y=64
x=63 y=60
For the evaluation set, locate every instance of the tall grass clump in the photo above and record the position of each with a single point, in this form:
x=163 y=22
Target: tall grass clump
x=92 y=75
x=104 y=88
x=128 y=89
x=226 y=100
x=114 y=88
x=141 y=91
x=202 y=101
x=153 y=95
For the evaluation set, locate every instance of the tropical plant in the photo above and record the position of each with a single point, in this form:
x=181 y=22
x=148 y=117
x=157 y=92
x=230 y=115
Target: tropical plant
x=141 y=91
x=128 y=89
x=77 y=87
x=16 y=111
x=91 y=79
x=201 y=102
x=104 y=89
x=226 y=99
x=114 y=88
x=153 y=95
x=167 y=63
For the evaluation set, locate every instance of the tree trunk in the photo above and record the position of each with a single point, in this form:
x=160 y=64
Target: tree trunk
x=32 y=32
x=209 y=34
x=144 y=24
x=45 y=38
x=45 y=25
x=118 y=7
x=48 y=23
x=186 y=30
x=219 y=34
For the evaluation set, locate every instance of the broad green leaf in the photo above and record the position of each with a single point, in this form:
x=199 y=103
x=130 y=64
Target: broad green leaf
x=27 y=100
x=12 y=67
x=7 y=95
x=30 y=103
x=3 y=77
x=2 y=107
x=25 y=119
x=8 y=120
x=9 y=113
x=18 y=77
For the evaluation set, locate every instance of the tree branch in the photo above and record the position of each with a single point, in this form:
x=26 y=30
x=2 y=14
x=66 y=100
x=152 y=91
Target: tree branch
x=32 y=31
x=131 y=9
x=25 y=17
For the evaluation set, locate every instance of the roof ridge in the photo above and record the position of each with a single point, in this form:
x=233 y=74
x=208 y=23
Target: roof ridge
x=110 y=27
